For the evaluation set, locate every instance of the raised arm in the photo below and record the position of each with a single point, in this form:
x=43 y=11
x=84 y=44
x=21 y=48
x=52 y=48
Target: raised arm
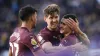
x=75 y=27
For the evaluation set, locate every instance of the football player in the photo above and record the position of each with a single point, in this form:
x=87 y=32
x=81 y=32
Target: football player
x=23 y=42
x=50 y=36
x=69 y=27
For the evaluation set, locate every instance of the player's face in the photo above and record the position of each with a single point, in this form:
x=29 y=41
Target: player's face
x=34 y=20
x=64 y=29
x=52 y=21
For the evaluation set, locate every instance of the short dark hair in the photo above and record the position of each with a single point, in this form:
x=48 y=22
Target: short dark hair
x=51 y=9
x=72 y=16
x=26 y=12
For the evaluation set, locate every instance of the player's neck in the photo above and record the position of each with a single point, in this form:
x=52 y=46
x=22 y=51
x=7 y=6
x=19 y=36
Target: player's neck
x=50 y=28
x=24 y=24
x=65 y=35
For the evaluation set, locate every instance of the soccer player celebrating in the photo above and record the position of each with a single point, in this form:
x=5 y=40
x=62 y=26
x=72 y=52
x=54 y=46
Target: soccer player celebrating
x=23 y=42
x=49 y=37
x=69 y=27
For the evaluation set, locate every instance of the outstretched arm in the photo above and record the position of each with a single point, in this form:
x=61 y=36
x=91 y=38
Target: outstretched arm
x=48 y=48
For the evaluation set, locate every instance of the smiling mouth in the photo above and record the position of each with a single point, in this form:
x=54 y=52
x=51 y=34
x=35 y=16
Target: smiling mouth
x=54 y=24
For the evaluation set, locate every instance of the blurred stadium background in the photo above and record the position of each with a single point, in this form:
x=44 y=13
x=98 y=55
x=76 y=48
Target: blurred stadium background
x=87 y=11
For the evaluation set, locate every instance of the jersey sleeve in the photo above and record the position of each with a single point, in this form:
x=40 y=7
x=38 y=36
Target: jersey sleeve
x=42 y=38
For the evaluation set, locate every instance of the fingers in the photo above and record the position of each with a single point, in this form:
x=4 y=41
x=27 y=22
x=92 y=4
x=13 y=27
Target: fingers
x=74 y=21
x=71 y=20
x=70 y=23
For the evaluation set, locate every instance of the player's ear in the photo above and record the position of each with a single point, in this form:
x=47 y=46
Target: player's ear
x=30 y=19
x=45 y=18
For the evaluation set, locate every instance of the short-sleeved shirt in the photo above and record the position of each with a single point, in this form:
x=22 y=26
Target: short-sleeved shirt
x=23 y=43
x=71 y=39
x=46 y=35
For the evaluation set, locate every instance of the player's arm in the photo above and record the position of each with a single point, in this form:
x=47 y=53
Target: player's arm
x=47 y=45
x=32 y=44
x=49 y=48
x=40 y=52
x=75 y=27
x=79 y=47
x=10 y=52
x=83 y=37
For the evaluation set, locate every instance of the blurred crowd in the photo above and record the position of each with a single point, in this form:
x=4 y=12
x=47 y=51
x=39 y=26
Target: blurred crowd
x=87 y=11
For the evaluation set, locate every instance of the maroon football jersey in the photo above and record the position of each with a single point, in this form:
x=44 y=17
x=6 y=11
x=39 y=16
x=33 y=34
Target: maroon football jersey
x=46 y=35
x=23 y=43
x=69 y=40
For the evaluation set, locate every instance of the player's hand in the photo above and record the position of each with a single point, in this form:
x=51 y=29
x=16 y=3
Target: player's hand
x=73 y=25
x=79 y=47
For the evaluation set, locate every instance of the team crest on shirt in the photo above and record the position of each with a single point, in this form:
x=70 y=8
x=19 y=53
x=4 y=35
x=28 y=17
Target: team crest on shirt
x=33 y=41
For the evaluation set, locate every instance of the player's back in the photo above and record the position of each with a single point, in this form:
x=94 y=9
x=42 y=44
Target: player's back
x=18 y=42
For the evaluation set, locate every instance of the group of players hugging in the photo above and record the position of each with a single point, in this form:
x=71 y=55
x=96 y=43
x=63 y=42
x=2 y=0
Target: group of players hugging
x=58 y=38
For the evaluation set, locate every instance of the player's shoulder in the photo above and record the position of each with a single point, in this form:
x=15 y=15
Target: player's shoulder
x=14 y=35
x=19 y=33
x=23 y=30
x=44 y=31
x=25 y=33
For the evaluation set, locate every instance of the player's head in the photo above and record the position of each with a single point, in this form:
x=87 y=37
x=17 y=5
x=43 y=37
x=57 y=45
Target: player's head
x=28 y=14
x=64 y=28
x=51 y=16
